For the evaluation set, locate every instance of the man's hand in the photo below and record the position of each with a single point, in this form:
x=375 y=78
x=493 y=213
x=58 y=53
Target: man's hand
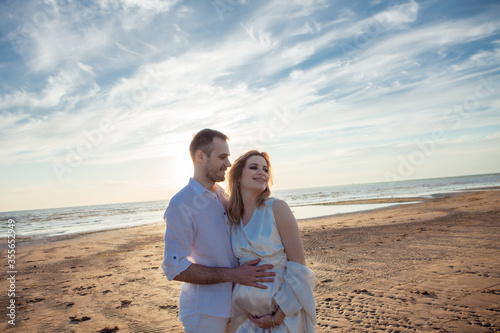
x=249 y=274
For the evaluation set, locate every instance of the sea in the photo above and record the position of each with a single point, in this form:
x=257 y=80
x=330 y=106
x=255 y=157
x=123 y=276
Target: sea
x=54 y=222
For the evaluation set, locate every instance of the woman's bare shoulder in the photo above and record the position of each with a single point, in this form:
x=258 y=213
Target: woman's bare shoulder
x=281 y=209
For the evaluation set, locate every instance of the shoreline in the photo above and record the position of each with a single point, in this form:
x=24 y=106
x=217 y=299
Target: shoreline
x=388 y=202
x=35 y=239
x=366 y=201
x=32 y=240
x=421 y=267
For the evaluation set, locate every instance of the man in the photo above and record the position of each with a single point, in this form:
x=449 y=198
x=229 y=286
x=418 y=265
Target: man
x=197 y=241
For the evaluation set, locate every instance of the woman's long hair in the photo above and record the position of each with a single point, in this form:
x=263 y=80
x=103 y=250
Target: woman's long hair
x=235 y=207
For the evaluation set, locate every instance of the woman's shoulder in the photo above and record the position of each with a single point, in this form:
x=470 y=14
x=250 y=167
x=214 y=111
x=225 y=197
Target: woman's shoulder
x=278 y=205
x=281 y=210
x=276 y=202
x=270 y=201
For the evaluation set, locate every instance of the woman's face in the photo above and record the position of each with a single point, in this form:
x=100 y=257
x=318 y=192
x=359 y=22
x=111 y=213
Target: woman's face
x=255 y=176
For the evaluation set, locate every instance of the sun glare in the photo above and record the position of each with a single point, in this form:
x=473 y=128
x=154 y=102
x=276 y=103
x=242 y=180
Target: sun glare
x=182 y=170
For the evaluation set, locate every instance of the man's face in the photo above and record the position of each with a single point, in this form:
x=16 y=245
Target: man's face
x=218 y=162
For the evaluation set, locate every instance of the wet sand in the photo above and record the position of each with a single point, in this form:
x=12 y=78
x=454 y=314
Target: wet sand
x=425 y=267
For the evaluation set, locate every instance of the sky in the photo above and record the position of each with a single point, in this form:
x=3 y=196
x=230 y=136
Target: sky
x=100 y=99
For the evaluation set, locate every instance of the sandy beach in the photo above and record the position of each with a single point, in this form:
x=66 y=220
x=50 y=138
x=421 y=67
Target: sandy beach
x=431 y=266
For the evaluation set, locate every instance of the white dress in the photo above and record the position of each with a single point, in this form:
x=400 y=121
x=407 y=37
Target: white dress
x=260 y=239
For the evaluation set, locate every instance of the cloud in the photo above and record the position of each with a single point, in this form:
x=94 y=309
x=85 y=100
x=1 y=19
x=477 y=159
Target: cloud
x=62 y=90
x=62 y=34
x=326 y=80
x=398 y=14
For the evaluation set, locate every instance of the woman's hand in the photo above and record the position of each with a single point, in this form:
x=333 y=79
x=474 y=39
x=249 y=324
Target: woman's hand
x=262 y=322
x=267 y=320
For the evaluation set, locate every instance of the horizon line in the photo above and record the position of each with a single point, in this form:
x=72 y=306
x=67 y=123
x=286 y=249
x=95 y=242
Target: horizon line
x=287 y=189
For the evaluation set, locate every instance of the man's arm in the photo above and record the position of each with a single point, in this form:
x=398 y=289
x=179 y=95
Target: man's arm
x=247 y=274
x=176 y=266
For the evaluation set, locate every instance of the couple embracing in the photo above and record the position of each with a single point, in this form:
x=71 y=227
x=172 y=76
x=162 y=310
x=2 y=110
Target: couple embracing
x=239 y=256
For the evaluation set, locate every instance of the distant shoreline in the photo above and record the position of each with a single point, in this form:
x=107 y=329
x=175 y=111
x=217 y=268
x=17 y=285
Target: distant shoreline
x=378 y=203
x=35 y=239
x=365 y=201
x=319 y=188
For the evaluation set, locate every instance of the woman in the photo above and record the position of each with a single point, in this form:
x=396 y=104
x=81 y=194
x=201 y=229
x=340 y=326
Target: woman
x=265 y=228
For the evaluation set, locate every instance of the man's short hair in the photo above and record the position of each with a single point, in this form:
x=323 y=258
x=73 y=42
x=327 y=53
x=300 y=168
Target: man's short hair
x=203 y=141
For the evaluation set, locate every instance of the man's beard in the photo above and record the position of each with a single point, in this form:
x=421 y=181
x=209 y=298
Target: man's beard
x=212 y=174
x=216 y=178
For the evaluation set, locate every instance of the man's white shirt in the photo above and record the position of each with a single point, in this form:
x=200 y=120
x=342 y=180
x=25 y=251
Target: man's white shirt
x=198 y=230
